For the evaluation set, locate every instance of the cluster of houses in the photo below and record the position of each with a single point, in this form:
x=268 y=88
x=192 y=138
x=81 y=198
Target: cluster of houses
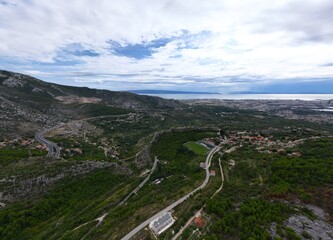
x=17 y=142
x=265 y=144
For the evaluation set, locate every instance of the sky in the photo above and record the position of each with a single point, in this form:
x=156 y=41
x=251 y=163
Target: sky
x=215 y=45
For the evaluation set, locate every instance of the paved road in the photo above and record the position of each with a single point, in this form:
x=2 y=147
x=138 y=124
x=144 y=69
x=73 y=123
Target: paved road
x=50 y=145
x=189 y=222
x=53 y=146
x=141 y=184
x=222 y=178
x=179 y=201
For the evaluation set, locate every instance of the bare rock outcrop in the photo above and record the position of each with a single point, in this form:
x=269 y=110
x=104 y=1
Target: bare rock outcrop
x=318 y=229
x=143 y=158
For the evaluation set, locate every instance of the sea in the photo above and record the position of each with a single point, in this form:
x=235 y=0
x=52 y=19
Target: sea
x=306 y=97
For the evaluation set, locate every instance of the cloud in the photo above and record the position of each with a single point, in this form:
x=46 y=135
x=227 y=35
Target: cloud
x=306 y=21
x=193 y=44
x=327 y=65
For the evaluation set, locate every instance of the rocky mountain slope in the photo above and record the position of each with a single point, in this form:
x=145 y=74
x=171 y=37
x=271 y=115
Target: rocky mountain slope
x=27 y=103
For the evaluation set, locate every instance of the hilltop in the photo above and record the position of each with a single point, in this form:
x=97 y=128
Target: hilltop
x=28 y=103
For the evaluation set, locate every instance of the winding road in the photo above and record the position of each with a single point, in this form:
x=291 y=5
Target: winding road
x=179 y=201
x=189 y=222
x=53 y=148
x=222 y=179
x=50 y=145
x=141 y=184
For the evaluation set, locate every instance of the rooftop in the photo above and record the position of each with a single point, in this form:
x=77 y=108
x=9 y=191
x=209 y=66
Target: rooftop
x=162 y=223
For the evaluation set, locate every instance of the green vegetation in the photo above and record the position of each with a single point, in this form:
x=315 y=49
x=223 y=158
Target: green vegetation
x=196 y=147
x=291 y=234
x=309 y=177
x=187 y=209
x=247 y=207
x=249 y=203
x=302 y=172
x=128 y=134
x=95 y=110
x=178 y=166
x=71 y=203
x=249 y=221
x=9 y=155
x=306 y=235
x=179 y=158
x=314 y=168
x=89 y=150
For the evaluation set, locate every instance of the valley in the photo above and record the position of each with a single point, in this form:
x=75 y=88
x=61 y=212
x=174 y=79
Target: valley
x=80 y=163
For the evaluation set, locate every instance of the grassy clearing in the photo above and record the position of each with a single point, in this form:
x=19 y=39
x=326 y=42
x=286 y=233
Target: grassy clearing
x=196 y=147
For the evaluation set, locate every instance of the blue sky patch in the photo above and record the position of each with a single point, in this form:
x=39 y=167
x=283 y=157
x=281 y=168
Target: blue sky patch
x=295 y=86
x=146 y=49
x=76 y=49
x=89 y=53
x=59 y=63
x=138 y=51
x=5 y=3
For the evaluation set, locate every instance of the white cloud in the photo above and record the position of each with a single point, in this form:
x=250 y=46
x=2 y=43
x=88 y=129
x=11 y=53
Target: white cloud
x=255 y=40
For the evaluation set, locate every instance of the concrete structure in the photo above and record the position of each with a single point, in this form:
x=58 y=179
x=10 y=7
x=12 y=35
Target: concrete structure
x=161 y=223
x=208 y=142
x=203 y=165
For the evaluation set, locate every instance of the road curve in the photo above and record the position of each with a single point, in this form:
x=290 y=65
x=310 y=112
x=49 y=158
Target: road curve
x=53 y=146
x=199 y=211
x=179 y=201
x=50 y=145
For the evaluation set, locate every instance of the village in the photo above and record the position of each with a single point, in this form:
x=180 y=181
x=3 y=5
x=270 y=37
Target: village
x=263 y=141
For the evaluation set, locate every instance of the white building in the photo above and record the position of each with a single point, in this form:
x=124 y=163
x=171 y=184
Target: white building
x=161 y=223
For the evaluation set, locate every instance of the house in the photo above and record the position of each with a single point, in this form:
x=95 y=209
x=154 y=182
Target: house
x=199 y=222
x=212 y=173
x=162 y=223
x=297 y=154
x=25 y=142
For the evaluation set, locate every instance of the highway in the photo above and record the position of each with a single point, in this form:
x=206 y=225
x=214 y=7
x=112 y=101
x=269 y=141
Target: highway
x=50 y=145
x=179 y=201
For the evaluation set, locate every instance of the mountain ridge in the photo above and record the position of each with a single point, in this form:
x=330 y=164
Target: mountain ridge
x=28 y=103
x=157 y=91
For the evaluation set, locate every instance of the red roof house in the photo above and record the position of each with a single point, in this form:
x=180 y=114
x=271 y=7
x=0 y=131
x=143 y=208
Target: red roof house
x=199 y=222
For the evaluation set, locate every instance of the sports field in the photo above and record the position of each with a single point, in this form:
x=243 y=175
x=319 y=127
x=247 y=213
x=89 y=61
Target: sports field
x=196 y=147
